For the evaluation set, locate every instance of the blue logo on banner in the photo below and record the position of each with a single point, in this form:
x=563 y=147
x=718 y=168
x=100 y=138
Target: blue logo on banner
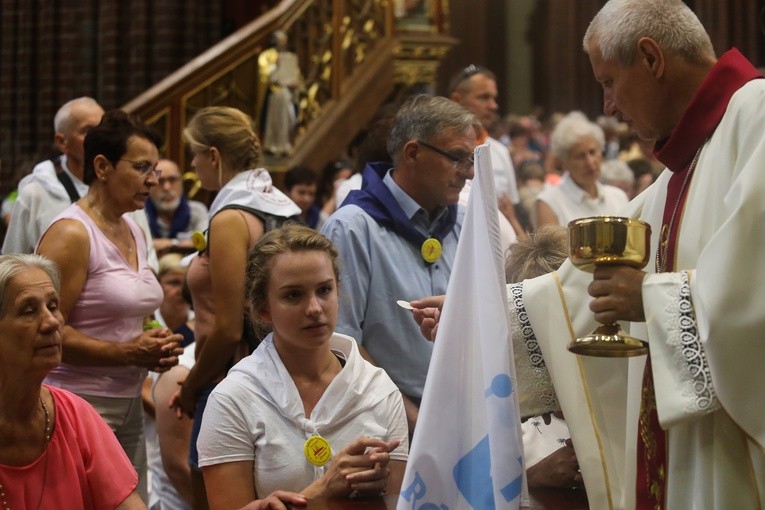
x=472 y=473
x=417 y=491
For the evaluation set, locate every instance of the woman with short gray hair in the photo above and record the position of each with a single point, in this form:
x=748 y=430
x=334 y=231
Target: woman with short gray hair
x=55 y=450
x=578 y=145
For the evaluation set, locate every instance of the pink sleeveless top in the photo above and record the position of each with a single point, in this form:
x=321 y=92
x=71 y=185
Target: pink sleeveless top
x=113 y=303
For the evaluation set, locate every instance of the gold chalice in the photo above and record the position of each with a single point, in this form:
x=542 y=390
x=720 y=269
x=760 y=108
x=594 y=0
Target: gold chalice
x=608 y=240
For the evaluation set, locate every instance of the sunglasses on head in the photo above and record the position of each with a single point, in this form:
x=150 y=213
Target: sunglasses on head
x=469 y=71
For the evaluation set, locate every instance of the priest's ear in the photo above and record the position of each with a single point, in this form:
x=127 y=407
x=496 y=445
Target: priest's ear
x=650 y=56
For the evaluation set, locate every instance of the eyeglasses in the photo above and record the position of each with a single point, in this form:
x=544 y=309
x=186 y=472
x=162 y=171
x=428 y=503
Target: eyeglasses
x=144 y=167
x=462 y=164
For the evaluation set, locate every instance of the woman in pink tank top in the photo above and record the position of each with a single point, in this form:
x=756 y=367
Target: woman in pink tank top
x=107 y=286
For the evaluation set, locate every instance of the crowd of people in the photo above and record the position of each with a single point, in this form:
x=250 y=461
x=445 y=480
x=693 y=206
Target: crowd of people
x=159 y=352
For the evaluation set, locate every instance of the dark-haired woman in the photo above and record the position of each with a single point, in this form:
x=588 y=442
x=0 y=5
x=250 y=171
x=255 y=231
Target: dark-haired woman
x=107 y=286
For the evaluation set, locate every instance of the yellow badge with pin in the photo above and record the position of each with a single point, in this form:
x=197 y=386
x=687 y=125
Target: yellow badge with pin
x=199 y=241
x=317 y=450
x=431 y=250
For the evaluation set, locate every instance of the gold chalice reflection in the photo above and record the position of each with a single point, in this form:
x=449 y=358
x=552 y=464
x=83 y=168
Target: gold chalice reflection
x=608 y=240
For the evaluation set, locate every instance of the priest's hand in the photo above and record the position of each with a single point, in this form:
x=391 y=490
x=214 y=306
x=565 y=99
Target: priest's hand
x=618 y=294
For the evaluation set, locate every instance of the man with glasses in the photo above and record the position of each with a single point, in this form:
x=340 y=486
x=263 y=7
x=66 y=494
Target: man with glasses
x=475 y=89
x=56 y=183
x=173 y=218
x=397 y=236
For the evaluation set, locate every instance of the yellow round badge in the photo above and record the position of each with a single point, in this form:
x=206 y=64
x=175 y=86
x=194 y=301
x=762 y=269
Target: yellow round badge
x=199 y=241
x=431 y=250
x=317 y=450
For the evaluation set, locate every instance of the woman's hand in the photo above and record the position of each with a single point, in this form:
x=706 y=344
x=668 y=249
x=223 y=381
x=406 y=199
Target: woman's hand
x=361 y=466
x=277 y=500
x=183 y=401
x=157 y=349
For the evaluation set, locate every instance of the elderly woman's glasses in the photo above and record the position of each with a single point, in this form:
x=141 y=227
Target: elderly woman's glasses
x=144 y=167
x=460 y=163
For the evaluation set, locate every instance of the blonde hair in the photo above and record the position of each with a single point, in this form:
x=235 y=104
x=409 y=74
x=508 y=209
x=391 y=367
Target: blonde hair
x=170 y=262
x=537 y=254
x=291 y=237
x=230 y=131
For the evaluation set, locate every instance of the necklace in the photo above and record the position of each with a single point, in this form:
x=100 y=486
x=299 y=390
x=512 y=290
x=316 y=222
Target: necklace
x=666 y=230
x=113 y=227
x=46 y=437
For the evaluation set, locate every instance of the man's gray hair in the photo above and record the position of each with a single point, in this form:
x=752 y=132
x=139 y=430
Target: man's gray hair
x=14 y=264
x=422 y=117
x=63 y=121
x=619 y=25
x=570 y=131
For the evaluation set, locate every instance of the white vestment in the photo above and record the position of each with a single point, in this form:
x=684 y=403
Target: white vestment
x=704 y=326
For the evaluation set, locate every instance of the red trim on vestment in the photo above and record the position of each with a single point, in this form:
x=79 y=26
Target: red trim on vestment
x=696 y=125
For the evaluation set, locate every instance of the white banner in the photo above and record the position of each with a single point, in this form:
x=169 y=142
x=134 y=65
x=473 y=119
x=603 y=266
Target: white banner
x=467 y=452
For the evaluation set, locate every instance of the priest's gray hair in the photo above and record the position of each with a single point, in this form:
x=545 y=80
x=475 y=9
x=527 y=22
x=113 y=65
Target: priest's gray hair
x=423 y=117
x=571 y=130
x=15 y=264
x=619 y=25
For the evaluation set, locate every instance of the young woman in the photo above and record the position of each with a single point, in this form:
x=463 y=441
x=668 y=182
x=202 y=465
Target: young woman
x=226 y=156
x=304 y=416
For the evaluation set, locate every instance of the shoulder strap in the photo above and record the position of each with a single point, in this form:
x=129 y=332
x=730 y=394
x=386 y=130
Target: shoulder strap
x=270 y=221
x=65 y=180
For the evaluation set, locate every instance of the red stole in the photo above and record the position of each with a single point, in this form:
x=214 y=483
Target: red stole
x=695 y=126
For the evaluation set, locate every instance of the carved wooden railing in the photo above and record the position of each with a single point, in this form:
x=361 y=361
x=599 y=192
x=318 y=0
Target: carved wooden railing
x=345 y=48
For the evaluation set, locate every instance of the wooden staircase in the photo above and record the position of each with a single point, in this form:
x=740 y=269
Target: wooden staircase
x=347 y=50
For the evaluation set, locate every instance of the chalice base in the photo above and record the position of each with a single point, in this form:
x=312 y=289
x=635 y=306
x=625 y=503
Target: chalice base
x=608 y=341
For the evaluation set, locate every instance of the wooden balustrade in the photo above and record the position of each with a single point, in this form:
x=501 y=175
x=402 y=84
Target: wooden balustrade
x=345 y=49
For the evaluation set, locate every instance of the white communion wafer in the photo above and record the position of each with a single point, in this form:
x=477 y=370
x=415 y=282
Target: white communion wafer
x=404 y=304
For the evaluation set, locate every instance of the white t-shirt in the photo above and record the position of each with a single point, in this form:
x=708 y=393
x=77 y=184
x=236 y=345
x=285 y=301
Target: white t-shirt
x=570 y=202
x=504 y=172
x=256 y=414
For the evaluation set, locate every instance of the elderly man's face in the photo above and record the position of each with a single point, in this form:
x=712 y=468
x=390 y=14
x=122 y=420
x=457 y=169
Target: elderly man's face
x=31 y=324
x=439 y=179
x=631 y=94
x=167 y=195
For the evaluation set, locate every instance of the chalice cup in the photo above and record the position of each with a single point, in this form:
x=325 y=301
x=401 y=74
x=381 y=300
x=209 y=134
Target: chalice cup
x=607 y=241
